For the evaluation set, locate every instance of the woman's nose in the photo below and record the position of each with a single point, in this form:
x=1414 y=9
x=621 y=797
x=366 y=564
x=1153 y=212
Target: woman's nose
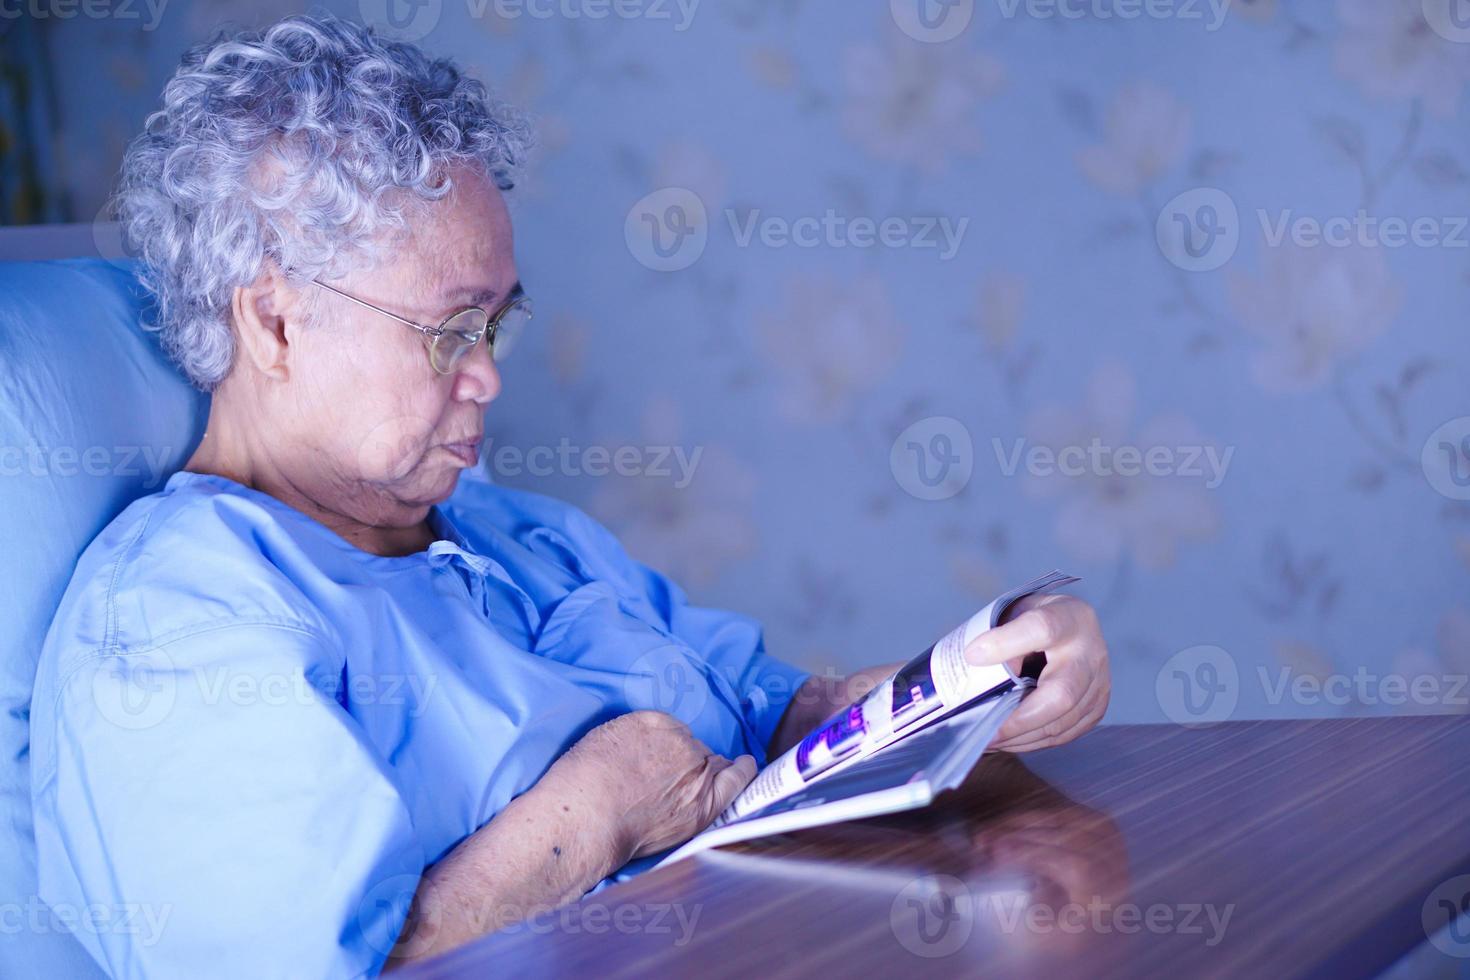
x=477 y=379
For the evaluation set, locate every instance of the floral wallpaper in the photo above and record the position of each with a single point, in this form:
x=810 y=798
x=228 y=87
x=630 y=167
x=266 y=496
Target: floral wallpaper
x=851 y=315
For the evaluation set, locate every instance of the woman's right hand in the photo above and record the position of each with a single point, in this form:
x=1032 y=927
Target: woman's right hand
x=654 y=782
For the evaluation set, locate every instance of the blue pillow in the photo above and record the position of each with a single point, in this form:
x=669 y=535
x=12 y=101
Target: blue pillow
x=92 y=416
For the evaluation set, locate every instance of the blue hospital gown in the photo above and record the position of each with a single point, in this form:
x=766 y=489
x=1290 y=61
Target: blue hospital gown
x=250 y=737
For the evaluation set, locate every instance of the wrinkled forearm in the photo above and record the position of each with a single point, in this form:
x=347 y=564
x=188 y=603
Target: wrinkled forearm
x=546 y=848
x=819 y=698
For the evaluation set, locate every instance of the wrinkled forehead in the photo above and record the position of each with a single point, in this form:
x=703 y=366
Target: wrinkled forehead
x=459 y=249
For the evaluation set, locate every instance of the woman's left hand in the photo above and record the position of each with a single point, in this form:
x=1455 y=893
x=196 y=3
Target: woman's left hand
x=1072 y=692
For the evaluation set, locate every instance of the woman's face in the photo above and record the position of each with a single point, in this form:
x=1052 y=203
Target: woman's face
x=387 y=434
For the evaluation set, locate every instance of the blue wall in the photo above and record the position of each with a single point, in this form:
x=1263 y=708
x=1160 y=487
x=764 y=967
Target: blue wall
x=1284 y=393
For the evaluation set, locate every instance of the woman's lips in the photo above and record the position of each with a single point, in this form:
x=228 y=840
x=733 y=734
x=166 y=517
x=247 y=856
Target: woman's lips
x=468 y=452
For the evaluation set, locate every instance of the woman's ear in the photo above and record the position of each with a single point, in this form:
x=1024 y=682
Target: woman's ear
x=260 y=324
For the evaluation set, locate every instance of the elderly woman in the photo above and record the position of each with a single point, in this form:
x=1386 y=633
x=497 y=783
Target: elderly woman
x=327 y=670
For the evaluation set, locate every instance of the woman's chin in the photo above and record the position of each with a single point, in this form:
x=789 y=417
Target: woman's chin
x=425 y=487
x=441 y=485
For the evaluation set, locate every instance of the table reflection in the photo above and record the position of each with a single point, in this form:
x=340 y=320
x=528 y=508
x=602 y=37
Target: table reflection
x=1005 y=854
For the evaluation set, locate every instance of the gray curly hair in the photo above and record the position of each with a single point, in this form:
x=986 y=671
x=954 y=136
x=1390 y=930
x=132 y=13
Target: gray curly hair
x=306 y=144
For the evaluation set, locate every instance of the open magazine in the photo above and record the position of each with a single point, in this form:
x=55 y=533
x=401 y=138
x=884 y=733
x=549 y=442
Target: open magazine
x=915 y=735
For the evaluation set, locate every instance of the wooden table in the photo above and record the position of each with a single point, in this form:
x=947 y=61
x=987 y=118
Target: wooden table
x=1282 y=848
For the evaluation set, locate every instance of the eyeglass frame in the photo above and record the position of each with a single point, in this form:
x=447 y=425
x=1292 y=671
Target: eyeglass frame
x=516 y=298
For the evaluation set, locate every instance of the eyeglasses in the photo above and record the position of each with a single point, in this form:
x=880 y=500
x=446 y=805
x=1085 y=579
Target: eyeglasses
x=453 y=339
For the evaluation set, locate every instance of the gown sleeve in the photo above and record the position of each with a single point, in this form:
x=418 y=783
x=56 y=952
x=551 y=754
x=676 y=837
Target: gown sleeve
x=731 y=643
x=212 y=810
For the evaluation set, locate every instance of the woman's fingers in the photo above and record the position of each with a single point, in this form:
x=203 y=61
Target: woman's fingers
x=1072 y=692
x=1057 y=735
x=1056 y=712
x=1037 y=630
x=729 y=781
x=1044 y=707
x=1057 y=728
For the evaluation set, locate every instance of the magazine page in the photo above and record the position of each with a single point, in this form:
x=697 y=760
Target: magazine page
x=902 y=777
x=922 y=691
